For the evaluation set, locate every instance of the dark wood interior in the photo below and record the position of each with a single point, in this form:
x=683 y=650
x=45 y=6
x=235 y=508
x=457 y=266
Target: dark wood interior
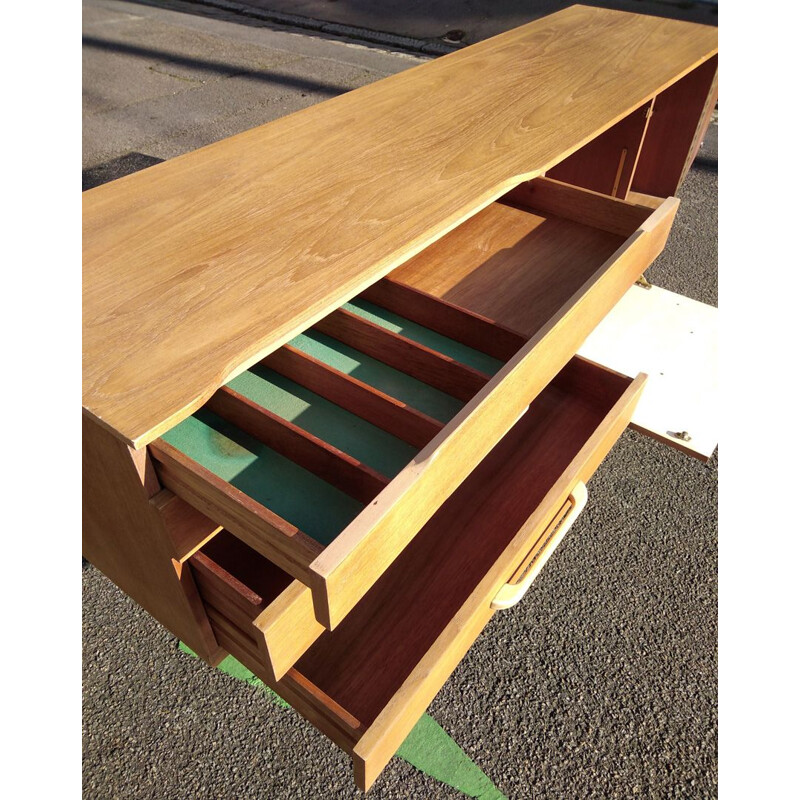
x=353 y=395
x=236 y=584
x=650 y=150
x=607 y=163
x=673 y=135
x=363 y=662
x=445 y=318
x=514 y=266
x=241 y=568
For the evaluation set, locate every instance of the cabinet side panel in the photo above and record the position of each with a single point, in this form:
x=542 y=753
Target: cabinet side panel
x=705 y=121
x=124 y=537
x=607 y=163
x=680 y=115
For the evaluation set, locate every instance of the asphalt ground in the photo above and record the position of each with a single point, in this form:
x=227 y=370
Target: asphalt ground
x=428 y=26
x=160 y=82
x=601 y=683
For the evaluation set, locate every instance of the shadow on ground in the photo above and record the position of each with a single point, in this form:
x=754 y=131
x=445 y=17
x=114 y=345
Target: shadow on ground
x=117 y=168
x=451 y=23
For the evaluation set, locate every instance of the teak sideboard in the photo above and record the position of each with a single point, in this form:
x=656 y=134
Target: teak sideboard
x=333 y=412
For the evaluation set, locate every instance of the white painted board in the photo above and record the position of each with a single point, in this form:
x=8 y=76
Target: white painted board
x=674 y=340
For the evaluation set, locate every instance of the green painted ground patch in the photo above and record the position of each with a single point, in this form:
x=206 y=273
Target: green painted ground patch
x=428 y=747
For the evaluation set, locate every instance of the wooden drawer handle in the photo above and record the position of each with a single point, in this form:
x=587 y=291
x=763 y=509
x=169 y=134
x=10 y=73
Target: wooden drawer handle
x=512 y=592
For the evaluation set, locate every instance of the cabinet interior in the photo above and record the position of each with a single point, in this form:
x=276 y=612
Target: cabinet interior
x=646 y=152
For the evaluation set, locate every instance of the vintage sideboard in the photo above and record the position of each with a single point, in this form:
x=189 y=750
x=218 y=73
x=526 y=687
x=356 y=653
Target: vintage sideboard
x=333 y=413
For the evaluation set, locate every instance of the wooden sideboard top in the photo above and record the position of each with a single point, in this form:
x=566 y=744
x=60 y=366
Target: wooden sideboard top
x=196 y=268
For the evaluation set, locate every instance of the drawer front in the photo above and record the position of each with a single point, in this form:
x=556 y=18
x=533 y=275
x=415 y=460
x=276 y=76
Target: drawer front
x=421 y=380
x=367 y=683
x=256 y=611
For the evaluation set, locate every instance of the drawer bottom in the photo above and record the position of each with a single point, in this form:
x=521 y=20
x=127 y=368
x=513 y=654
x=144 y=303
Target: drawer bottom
x=366 y=683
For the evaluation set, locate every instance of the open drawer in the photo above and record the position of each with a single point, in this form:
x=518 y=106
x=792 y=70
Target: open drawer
x=366 y=683
x=254 y=607
x=333 y=452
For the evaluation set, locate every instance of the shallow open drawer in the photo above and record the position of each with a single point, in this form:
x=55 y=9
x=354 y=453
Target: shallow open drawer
x=254 y=606
x=479 y=323
x=366 y=683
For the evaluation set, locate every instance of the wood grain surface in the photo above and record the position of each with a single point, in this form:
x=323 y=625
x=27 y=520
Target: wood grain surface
x=197 y=268
x=514 y=266
x=353 y=561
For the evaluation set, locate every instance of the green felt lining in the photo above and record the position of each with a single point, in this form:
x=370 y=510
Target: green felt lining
x=391 y=381
x=425 y=336
x=300 y=497
x=331 y=423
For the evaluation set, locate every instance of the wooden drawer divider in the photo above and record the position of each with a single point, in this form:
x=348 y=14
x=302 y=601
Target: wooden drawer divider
x=445 y=318
x=361 y=399
x=422 y=363
x=225 y=592
x=310 y=452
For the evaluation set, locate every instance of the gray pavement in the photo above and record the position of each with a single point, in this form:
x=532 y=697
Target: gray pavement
x=429 y=25
x=162 y=82
x=601 y=683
